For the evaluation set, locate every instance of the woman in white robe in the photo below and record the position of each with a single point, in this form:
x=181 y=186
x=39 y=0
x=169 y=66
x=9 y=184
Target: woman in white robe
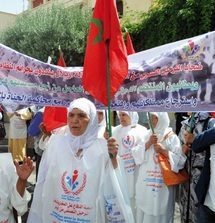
x=75 y=172
x=155 y=201
x=128 y=134
x=101 y=123
x=12 y=187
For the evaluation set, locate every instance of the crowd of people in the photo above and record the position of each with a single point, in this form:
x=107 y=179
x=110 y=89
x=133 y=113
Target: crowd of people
x=86 y=174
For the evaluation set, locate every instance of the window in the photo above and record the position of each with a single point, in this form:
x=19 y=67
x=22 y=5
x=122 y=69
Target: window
x=119 y=5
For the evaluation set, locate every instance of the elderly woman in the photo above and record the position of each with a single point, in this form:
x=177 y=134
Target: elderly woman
x=74 y=174
x=154 y=200
x=101 y=123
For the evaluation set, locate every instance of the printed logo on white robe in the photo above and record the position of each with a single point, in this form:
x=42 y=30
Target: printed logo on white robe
x=155 y=158
x=154 y=178
x=73 y=184
x=118 y=209
x=128 y=143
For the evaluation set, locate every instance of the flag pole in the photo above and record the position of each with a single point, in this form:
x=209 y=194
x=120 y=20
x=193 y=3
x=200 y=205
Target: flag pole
x=150 y=123
x=191 y=121
x=108 y=89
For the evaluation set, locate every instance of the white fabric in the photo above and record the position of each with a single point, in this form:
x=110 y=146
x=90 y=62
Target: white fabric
x=9 y=197
x=153 y=197
x=146 y=218
x=116 y=191
x=101 y=125
x=70 y=198
x=77 y=183
x=103 y=122
x=162 y=124
x=43 y=143
x=133 y=116
x=101 y=131
x=127 y=138
x=33 y=108
x=17 y=128
x=60 y=131
x=91 y=133
x=210 y=197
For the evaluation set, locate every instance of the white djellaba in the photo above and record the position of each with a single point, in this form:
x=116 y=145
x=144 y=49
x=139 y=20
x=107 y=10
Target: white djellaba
x=80 y=189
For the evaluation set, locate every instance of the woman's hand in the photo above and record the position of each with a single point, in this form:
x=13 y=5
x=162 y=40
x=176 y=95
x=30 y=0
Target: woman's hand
x=24 y=170
x=188 y=137
x=158 y=147
x=106 y=134
x=113 y=147
x=43 y=129
x=152 y=140
x=186 y=148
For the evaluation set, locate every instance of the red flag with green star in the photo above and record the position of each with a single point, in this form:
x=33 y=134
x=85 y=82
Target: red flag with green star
x=61 y=61
x=129 y=45
x=104 y=27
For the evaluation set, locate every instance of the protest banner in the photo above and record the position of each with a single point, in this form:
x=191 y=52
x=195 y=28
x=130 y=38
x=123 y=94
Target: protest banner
x=170 y=78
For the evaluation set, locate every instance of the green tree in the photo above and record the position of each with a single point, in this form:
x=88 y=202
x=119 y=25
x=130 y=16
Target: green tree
x=169 y=21
x=38 y=34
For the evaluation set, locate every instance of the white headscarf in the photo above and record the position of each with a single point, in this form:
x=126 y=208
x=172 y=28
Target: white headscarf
x=103 y=122
x=163 y=123
x=133 y=116
x=85 y=140
x=134 y=120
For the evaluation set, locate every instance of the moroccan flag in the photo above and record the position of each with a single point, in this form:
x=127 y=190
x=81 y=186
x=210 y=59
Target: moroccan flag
x=61 y=61
x=54 y=117
x=104 y=28
x=129 y=45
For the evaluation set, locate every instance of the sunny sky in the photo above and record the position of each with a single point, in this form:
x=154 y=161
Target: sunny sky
x=13 y=6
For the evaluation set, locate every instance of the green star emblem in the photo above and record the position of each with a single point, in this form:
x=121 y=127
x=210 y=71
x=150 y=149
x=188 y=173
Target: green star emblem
x=99 y=24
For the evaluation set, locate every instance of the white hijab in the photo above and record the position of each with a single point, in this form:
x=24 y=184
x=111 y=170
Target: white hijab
x=163 y=124
x=134 y=120
x=103 y=122
x=85 y=140
x=133 y=116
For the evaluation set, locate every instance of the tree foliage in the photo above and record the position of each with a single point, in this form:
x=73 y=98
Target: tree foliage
x=169 y=21
x=38 y=34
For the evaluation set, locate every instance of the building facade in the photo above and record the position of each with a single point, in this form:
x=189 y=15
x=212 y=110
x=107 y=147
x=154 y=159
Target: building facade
x=6 y=19
x=123 y=6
